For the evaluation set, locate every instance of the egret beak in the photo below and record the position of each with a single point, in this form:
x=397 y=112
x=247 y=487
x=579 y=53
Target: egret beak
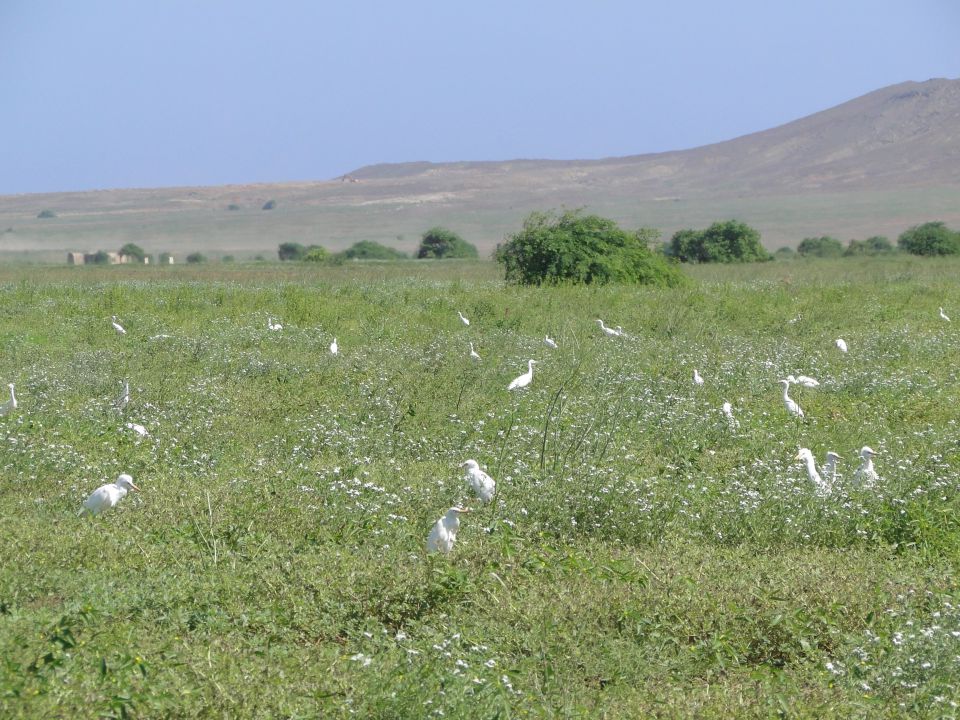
x=134 y=487
x=464 y=510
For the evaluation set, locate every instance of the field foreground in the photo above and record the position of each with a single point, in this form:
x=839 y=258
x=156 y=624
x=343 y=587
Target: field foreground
x=643 y=556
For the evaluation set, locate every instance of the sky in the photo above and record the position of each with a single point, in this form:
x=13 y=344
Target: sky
x=114 y=93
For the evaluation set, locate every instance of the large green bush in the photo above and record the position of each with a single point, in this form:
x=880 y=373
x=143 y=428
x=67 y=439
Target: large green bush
x=726 y=242
x=370 y=250
x=823 y=246
x=875 y=245
x=291 y=251
x=438 y=242
x=932 y=238
x=582 y=249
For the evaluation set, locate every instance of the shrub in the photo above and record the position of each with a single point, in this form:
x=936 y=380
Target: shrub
x=195 y=257
x=784 y=253
x=823 y=246
x=291 y=251
x=876 y=245
x=932 y=238
x=45 y=214
x=370 y=250
x=729 y=241
x=133 y=250
x=315 y=253
x=438 y=242
x=165 y=258
x=227 y=259
x=269 y=205
x=233 y=206
x=100 y=257
x=582 y=249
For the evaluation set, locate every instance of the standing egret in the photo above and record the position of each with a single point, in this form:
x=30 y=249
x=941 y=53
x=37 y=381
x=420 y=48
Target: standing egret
x=462 y=318
x=830 y=469
x=823 y=488
x=334 y=348
x=841 y=344
x=522 y=381
x=10 y=405
x=549 y=342
x=117 y=326
x=107 y=496
x=482 y=484
x=271 y=325
x=124 y=398
x=728 y=413
x=866 y=474
x=609 y=331
x=473 y=354
x=444 y=532
x=697 y=380
x=943 y=315
x=804 y=380
x=788 y=402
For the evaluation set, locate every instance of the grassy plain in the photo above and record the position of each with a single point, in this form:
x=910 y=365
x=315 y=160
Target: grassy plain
x=642 y=557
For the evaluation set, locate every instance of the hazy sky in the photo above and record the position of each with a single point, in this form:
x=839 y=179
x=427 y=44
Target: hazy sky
x=143 y=93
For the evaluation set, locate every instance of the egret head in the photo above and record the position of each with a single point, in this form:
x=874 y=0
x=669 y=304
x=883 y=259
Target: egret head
x=866 y=453
x=470 y=464
x=125 y=481
x=832 y=456
x=804 y=454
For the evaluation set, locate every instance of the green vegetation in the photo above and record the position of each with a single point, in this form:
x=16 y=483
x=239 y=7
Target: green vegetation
x=291 y=251
x=724 y=242
x=134 y=251
x=233 y=207
x=315 y=253
x=439 y=243
x=370 y=250
x=932 y=238
x=642 y=558
x=195 y=257
x=269 y=205
x=46 y=214
x=581 y=248
x=875 y=245
x=822 y=247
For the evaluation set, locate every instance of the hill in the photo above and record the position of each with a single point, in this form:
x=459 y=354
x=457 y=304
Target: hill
x=874 y=165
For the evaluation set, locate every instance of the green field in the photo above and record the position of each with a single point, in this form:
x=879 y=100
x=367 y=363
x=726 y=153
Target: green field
x=642 y=558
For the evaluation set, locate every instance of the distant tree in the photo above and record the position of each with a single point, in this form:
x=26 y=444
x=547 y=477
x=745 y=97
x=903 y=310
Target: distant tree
x=315 y=253
x=165 y=258
x=45 y=214
x=234 y=206
x=823 y=246
x=876 y=245
x=784 y=253
x=932 y=238
x=649 y=236
x=291 y=251
x=195 y=258
x=227 y=258
x=583 y=249
x=727 y=242
x=370 y=250
x=269 y=205
x=134 y=251
x=440 y=243
x=259 y=258
x=100 y=257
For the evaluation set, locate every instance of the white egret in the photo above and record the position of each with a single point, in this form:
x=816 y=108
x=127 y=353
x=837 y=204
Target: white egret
x=609 y=331
x=271 y=325
x=138 y=429
x=866 y=474
x=697 y=380
x=462 y=318
x=482 y=484
x=830 y=469
x=444 y=532
x=823 y=488
x=943 y=315
x=473 y=354
x=522 y=381
x=124 y=398
x=107 y=496
x=117 y=326
x=334 y=348
x=804 y=380
x=11 y=404
x=841 y=344
x=788 y=402
x=160 y=337
x=728 y=413
x=549 y=342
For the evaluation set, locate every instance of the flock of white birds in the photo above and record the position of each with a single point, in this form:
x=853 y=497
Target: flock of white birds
x=443 y=535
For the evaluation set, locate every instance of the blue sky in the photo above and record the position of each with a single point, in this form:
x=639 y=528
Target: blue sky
x=121 y=93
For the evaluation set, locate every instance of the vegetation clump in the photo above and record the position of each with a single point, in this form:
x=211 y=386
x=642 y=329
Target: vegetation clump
x=875 y=245
x=46 y=214
x=724 y=242
x=370 y=250
x=823 y=246
x=195 y=258
x=585 y=249
x=440 y=243
x=932 y=238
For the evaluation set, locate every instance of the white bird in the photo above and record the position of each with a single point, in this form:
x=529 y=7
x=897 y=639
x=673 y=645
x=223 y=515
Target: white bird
x=609 y=331
x=107 y=496
x=841 y=344
x=804 y=380
x=473 y=354
x=482 y=484
x=788 y=402
x=697 y=380
x=124 y=398
x=866 y=474
x=943 y=315
x=549 y=342
x=334 y=348
x=10 y=405
x=830 y=469
x=522 y=381
x=731 y=420
x=138 y=429
x=271 y=325
x=462 y=318
x=160 y=337
x=117 y=326
x=444 y=532
x=823 y=488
